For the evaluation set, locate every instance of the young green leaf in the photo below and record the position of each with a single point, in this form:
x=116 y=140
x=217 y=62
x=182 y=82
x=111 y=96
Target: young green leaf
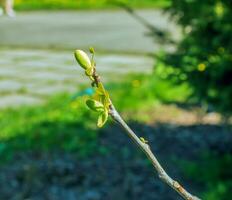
x=95 y=105
x=102 y=95
x=102 y=119
x=100 y=89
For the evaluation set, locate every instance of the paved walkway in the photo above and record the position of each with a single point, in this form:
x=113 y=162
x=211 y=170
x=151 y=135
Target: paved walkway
x=30 y=72
x=114 y=31
x=29 y=76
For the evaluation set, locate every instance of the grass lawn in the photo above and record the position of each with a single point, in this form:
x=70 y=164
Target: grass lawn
x=86 y=4
x=65 y=123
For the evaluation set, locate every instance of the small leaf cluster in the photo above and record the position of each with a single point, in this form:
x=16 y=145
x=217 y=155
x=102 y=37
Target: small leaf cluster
x=100 y=101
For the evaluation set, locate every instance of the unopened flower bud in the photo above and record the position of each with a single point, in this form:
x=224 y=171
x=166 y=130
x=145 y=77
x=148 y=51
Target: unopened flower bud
x=91 y=50
x=83 y=59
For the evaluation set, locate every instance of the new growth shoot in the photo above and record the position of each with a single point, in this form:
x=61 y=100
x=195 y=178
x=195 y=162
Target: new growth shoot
x=102 y=104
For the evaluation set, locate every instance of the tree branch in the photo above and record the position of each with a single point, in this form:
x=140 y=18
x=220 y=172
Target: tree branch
x=104 y=106
x=146 y=149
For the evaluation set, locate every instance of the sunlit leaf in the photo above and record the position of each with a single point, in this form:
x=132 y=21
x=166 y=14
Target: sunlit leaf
x=102 y=119
x=95 y=105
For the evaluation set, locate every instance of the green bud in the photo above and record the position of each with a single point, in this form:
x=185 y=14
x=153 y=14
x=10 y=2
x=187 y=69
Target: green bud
x=83 y=59
x=91 y=50
x=95 y=105
x=143 y=140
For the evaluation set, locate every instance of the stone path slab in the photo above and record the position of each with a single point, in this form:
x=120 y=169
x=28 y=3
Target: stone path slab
x=16 y=100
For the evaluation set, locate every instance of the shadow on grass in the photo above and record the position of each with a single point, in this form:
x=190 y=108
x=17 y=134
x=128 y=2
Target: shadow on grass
x=48 y=136
x=112 y=167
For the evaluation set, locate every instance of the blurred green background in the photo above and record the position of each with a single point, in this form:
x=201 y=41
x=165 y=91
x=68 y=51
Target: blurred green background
x=86 y=4
x=177 y=95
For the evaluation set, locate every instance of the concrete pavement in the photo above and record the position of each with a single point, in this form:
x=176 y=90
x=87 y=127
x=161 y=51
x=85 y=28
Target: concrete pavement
x=29 y=76
x=40 y=66
x=111 y=31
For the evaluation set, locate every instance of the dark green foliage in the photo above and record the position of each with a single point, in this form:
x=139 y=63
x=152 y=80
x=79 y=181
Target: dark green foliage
x=214 y=171
x=204 y=56
x=62 y=124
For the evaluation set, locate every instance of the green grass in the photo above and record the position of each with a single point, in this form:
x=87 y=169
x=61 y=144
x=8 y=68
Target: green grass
x=60 y=124
x=66 y=124
x=214 y=171
x=86 y=4
x=141 y=91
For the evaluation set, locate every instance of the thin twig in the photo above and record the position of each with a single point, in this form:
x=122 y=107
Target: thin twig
x=146 y=149
x=96 y=81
